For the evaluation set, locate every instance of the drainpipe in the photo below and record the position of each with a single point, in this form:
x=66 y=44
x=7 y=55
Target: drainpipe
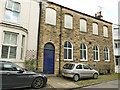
x=38 y=38
x=60 y=42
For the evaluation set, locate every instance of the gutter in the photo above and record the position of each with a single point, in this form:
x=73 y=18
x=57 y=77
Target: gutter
x=60 y=42
x=38 y=38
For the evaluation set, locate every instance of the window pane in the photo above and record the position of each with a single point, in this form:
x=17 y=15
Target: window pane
x=9 y=4
x=65 y=45
x=81 y=54
x=6 y=38
x=50 y=16
x=80 y=46
x=15 y=17
x=82 y=25
x=107 y=56
x=12 y=52
x=13 y=39
x=8 y=15
x=16 y=7
x=68 y=21
x=84 y=54
x=96 y=55
x=84 y=47
x=69 y=45
x=69 y=54
x=65 y=53
x=5 y=51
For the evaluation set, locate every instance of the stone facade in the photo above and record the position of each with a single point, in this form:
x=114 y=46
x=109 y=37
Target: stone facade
x=51 y=34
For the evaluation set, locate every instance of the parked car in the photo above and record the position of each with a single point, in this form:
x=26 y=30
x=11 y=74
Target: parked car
x=13 y=76
x=78 y=70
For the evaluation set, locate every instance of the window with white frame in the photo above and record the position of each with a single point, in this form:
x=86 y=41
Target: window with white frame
x=12 y=11
x=68 y=21
x=50 y=16
x=117 y=44
x=83 y=25
x=68 y=51
x=96 y=53
x=105 y=31
x=22 y=47
x=106 y=54
x=95 y=28
x=9 y=46
x=83 y=52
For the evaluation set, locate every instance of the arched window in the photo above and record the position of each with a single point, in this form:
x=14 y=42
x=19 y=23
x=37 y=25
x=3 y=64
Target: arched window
x=83 y=25
x=106 y=54
x=50 y=16
x=68 y=51
x=95 y=28
x=83 y=52
x=68 y=21
x=96 y=53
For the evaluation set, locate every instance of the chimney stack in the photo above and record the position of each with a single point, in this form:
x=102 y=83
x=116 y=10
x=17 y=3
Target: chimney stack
x=98 y=15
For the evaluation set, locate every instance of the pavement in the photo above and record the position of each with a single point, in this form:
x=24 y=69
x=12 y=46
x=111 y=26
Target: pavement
x=61 y=83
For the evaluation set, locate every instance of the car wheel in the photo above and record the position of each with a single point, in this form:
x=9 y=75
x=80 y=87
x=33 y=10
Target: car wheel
x=38 y=83
x=76 y=77
x=95 y=76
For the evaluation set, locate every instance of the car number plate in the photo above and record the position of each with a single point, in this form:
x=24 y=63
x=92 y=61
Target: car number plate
x=65 y=74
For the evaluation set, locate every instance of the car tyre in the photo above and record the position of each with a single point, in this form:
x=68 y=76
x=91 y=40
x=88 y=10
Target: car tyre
x=76 y=77
x=38 y=83
x=95 y=76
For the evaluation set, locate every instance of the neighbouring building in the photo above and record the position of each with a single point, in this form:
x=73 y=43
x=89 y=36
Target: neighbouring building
x=18 y=30
x=116 y=46
x=68 y=35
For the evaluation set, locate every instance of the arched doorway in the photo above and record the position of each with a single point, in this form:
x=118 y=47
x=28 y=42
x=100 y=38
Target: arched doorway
x=49 y=55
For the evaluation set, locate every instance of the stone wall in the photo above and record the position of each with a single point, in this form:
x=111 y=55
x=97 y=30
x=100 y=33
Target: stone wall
x=50 y=34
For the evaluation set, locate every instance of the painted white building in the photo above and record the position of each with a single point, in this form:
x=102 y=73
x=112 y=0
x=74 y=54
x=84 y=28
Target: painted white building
x=18 y=30
x=116 y=46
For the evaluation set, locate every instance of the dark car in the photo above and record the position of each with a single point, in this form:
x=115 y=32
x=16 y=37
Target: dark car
x=13 y=76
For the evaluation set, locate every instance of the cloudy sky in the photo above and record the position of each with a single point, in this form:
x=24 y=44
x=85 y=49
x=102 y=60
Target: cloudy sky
x=109 y=7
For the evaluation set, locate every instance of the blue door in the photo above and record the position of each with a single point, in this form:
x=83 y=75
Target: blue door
x=49 y=54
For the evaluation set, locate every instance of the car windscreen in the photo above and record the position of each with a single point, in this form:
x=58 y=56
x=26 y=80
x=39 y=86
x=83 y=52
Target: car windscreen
x=68 y=66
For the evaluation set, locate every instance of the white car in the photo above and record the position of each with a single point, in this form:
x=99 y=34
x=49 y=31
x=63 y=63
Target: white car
x=78 y=70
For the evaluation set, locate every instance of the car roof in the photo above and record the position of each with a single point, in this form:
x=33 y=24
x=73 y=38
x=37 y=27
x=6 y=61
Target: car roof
x=77 y=63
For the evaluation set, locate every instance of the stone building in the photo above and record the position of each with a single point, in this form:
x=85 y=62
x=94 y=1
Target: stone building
x=68 y=35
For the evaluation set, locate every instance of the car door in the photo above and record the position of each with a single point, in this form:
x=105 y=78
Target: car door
x=87 y=71
x=12 y=77
x=79 y=69
x=9 y=76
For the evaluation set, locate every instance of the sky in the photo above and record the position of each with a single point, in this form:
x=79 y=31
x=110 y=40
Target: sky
x=109 y=8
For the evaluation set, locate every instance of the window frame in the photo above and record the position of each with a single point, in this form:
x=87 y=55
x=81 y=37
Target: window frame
x=9 y=45
x=85 y=22
x=94 y=29
x=68 y=52
x=104 y=32
x=96 y=53
x=83 y=52
x=106 y=52
x=65 y=22
x=47 y=21
x=12 y=11
x=22 y=47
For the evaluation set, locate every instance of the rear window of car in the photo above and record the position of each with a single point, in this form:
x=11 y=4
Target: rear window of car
x=68 y=66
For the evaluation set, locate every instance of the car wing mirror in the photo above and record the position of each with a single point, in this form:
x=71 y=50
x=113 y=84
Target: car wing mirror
x=21 y=71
